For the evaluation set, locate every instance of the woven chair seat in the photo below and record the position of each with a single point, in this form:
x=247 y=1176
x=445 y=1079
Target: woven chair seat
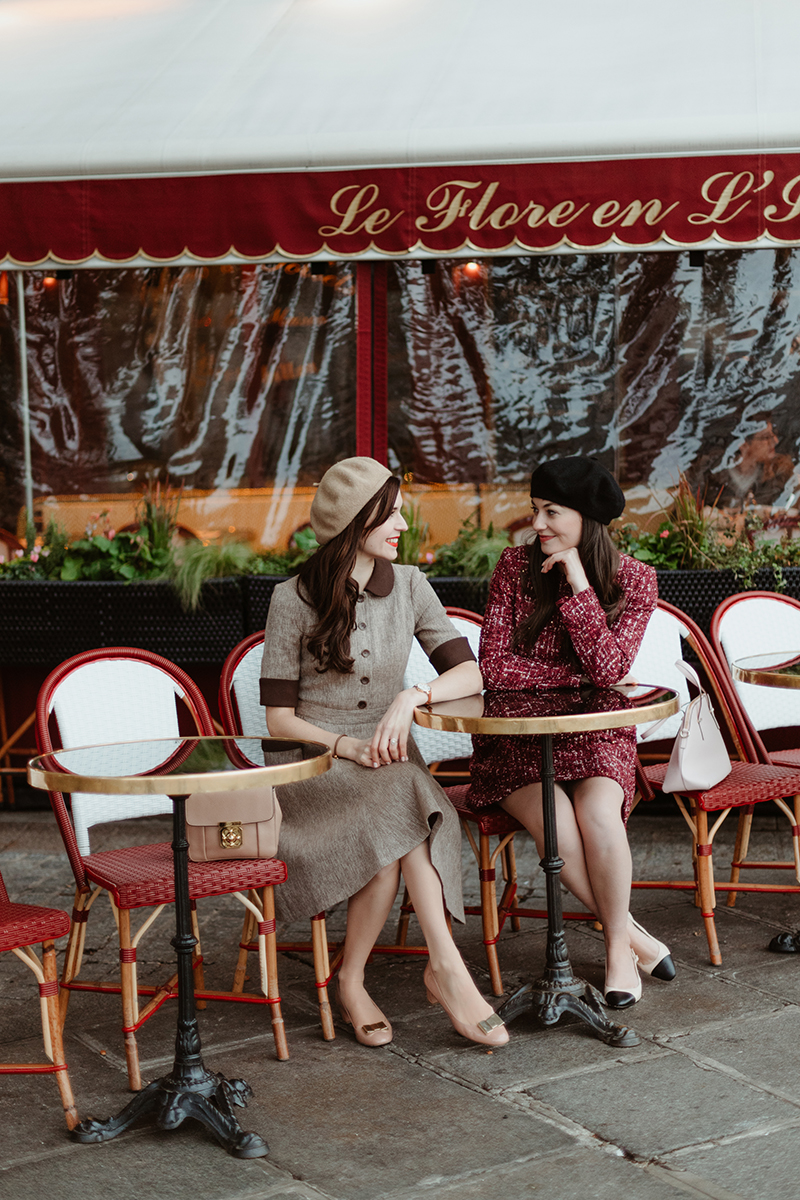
x=30 y=924
x=142 y=875
x=492 y=820
x=786 y=758
x=748 y=783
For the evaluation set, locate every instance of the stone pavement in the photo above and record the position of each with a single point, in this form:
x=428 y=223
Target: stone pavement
x=707 y=1106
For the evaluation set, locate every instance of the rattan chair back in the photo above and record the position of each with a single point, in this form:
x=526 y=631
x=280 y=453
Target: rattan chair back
x=759 y=623
x=438 y=745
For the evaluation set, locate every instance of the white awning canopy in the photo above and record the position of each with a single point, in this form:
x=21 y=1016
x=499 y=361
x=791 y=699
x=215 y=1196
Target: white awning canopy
x=159 y=89
x=97 y=87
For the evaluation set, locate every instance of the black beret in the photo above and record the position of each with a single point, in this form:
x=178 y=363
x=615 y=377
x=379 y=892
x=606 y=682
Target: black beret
x=582 y=484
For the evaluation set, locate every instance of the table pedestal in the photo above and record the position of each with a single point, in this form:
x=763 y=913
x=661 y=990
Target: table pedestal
x=189 y=1090
x=559 y=991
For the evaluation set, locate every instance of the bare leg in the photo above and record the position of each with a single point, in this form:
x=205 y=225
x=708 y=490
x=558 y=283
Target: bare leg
x=582 y=880
x=598 y=809
x=453 y=980
x=367 y=912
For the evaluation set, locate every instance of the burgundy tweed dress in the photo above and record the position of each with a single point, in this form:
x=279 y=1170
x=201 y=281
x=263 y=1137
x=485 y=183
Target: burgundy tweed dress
x=500 y=765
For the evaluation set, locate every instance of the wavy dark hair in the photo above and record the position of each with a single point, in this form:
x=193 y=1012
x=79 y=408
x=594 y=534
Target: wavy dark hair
x=324 y=583
x=600 y=558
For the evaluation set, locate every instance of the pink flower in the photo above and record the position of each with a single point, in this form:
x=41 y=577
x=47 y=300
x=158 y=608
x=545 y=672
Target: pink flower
x=19 y=554
x=34 y=555
x=44 y=553
x=664 y=533
x=111 y=534
x=429 y=557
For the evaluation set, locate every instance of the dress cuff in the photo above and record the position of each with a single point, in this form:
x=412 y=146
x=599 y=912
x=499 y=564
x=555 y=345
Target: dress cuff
x=280 y=693
x=450 y=654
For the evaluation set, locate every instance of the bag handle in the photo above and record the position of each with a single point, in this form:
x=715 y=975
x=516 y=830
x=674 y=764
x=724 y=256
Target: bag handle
x=693 y=677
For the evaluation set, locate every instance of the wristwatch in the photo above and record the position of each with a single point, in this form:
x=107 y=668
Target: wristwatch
x=426 y=689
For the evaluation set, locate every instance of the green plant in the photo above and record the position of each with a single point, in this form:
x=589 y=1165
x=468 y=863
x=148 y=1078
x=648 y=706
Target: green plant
x=192 y=563
x=409 y=548
x=157 y=514
x=474 y=553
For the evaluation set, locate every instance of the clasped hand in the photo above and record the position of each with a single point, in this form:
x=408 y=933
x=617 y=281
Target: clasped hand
x=389 y=742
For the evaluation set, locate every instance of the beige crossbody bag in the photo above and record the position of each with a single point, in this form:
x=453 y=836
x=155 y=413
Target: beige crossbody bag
x=241 y=824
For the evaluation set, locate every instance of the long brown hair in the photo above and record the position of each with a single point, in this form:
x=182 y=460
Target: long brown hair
x=324 y=583
x=600 y=559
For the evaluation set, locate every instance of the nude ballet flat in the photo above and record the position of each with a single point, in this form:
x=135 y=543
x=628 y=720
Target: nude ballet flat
x=660 y=967
x=491 y=1032
x=377 y=1034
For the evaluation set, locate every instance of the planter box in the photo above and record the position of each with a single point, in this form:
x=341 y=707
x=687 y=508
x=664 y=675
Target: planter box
x=698 y=593
x=47 y=621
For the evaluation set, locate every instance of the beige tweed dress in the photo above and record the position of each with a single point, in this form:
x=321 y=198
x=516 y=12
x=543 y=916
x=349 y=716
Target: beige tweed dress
x=341 y=828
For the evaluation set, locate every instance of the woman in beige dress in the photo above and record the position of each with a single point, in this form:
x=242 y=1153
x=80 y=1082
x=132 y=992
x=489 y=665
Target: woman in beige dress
x=336 y=645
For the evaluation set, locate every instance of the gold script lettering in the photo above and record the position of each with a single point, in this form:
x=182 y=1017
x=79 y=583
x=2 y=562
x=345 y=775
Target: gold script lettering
x=606 y=213
x=652 y=211
x=786 y=197
x=450 y=206
x=362 y=201
x=564 y=212
x=475 y=221
x=727 y=196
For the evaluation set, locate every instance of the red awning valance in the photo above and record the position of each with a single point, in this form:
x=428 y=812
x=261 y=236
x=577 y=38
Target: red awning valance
x=730 y=200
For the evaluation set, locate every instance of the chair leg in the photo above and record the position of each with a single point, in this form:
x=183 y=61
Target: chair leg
x=740 y=849
x=74 y=952
x=248 y=934
x=510 y=876
x=197 y=958
x=130 y=999
x=271 y=964
x=51 y=1029
x=322 y=974
x=406 y=909
x=489 y=917
x=705 y=879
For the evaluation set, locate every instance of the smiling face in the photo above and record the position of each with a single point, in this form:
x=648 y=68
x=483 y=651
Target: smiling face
x=557 y=527
x=382 y=542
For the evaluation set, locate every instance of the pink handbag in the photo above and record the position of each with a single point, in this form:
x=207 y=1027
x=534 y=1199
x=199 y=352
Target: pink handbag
x=241 y=824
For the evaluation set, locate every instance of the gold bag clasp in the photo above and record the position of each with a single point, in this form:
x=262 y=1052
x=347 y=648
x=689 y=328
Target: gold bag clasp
x=230 y=835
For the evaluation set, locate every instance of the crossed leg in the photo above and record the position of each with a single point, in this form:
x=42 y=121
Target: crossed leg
x=597 y=862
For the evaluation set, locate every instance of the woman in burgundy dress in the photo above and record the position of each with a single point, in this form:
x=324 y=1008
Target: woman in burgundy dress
x=565 y=610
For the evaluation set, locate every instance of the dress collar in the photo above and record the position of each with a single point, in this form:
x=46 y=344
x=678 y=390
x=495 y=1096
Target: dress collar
x=381 y=581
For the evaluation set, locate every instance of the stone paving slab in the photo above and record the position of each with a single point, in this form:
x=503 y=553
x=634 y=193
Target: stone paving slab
x=707 y=1105
x=763 y=1049
x=356 y=1122
x=765 y=1166
x=651 y=1107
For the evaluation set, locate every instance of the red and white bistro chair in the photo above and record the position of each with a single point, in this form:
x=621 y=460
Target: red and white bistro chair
x=751 y=781
x=439 y=748
x=23 y=926
x=125 y=694
x=762 y=623
x=241 y=712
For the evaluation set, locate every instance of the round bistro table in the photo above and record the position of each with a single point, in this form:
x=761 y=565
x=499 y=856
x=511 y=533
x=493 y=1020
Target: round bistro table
x=544 y=714
x=780 y=669
x=181 y=767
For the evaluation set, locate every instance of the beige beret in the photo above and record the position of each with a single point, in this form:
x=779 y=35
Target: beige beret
x=343 y=492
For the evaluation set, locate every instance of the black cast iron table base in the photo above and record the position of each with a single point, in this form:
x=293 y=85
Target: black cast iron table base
x=211 y=1102
x=189 y=1090
x=559 y=992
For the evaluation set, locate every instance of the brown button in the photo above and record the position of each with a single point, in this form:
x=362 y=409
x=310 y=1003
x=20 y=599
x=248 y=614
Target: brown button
x=361 y=704
x=365 y=678
x=361 y=599
x=362 y=625
x=365 y=653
